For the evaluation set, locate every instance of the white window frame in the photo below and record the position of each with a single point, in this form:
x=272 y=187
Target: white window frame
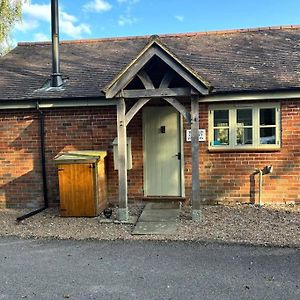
x=255 y=126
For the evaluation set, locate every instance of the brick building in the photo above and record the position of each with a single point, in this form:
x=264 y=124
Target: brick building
x=246 y=84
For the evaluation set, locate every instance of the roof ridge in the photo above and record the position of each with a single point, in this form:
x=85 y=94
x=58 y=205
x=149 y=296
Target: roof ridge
x=188 y=34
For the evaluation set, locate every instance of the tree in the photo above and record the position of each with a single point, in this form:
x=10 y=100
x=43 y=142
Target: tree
x=10 y=14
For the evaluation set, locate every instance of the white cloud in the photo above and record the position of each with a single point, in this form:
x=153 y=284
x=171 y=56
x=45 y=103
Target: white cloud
x=38 y=11
x=40 y=36
x=27 y=25
x=97 y=6
x=72 y=30
x=34 y=14
x=179 y=18
x=126 y=20
x=66 y=17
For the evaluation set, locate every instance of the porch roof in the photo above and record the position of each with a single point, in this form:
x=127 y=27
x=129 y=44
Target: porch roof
x=231 y=61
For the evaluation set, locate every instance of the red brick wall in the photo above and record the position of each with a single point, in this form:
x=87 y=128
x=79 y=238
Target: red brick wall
x=91 y=130
x=224 y=176
x=20 y=172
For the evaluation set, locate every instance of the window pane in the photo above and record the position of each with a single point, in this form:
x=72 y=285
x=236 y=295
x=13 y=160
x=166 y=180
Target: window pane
x=268 y=135
x=244 y=136
x=221 y=137
x=267 y=116
x=221 y=118
x=244 y=117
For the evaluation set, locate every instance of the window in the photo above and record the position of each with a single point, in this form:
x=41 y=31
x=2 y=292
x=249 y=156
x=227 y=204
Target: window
x=221 y=127
x=244 y=127
x=267 y=126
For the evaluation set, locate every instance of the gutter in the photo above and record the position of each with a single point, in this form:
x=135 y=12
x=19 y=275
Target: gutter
x=30 y=103
x=253 y=95
x=43 y=166
x=55 y=103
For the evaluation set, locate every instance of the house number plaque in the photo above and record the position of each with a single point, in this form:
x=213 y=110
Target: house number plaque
x=202 y=135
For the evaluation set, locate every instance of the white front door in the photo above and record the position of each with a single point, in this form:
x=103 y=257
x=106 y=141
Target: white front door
x=162 y=151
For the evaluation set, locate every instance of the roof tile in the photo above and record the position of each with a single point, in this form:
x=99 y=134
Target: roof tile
x=235 y=60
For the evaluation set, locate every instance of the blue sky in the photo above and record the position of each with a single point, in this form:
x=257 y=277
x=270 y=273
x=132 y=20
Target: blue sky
x=109 y=18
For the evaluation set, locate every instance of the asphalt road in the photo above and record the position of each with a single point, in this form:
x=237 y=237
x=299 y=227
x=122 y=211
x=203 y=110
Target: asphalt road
x=31 y=269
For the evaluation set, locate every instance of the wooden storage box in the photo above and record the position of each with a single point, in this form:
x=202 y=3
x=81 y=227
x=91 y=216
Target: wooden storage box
x=82 y=183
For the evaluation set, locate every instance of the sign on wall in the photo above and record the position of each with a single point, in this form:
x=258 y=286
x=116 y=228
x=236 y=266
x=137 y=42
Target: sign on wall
x=202 y=135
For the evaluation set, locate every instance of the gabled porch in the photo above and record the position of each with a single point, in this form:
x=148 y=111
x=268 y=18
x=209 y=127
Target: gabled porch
x=154 y=79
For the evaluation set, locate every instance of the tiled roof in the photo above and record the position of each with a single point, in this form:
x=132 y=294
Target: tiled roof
x=234 y=60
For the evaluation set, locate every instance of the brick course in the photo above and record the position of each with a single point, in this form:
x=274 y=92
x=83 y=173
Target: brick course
x=225 y=176
x=20 y=172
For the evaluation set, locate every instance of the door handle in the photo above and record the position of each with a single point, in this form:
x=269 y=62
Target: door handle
x=178 y=155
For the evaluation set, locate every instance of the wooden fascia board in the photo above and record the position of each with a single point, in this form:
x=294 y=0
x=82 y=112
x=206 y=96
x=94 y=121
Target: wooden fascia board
x=206 y=83
x=155 y=48
x=127 y=76
x=194 y=81
x=127 y=68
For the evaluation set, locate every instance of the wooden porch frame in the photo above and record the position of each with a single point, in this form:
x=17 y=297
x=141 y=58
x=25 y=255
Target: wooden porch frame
x=116 y=89
x=123 y=120
x=155 y=48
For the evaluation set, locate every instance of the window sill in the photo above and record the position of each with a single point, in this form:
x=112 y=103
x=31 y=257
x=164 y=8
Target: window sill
x=272 y=149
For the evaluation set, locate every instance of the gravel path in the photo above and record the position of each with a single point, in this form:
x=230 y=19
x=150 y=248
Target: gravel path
x=246 y=224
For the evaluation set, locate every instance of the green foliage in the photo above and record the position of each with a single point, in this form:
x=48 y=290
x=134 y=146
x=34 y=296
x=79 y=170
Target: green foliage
x=10 y=14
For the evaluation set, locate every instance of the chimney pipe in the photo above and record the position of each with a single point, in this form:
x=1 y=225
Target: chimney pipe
x=56 y=78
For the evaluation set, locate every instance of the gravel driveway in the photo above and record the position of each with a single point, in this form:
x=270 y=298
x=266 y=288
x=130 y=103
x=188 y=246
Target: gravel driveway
x=245 y=224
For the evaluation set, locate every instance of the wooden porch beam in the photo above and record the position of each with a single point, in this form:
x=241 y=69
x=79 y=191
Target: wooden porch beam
x=176 y=104
x=196 y=202
x=130 y=73
x=135 y=108
x=122 y=164
x=190 y=78
x=166 y=79
x=145 y=79
x=157 y=93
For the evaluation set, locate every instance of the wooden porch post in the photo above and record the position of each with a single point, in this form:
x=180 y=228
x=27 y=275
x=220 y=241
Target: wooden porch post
x=122 y=156
x=196 y=207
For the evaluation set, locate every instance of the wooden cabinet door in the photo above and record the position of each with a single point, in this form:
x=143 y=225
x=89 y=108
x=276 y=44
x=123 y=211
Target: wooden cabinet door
x=76 y=190
x=102 y=189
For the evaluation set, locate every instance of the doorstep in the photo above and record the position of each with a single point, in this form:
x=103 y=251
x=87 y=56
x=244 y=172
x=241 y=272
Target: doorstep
x=164 y=198
x=158 y=218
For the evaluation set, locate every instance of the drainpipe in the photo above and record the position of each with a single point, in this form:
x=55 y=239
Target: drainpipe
x=43 y=166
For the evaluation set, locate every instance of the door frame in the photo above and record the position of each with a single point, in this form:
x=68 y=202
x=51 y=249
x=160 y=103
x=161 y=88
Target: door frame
x=181 y=146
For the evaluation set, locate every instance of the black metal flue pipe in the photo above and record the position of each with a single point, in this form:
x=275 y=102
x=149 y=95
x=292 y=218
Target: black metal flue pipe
x=56 y=78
